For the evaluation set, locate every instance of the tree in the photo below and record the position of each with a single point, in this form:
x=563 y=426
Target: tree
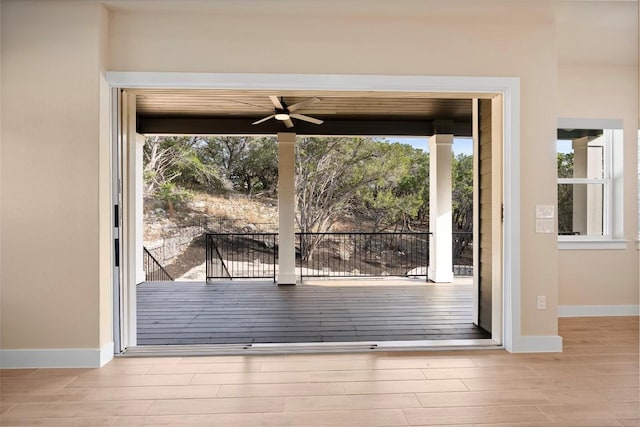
x=329 y=174
x=248 y=163
x=258 y=169
x=396 y=197
x=172 y=164
x=462 y=203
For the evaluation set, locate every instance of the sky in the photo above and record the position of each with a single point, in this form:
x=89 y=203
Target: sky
x=460 y=145
x=465 y=145
x=564 y=146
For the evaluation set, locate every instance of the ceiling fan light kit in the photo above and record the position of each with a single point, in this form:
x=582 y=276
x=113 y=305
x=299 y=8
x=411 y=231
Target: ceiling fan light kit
x=285 y=113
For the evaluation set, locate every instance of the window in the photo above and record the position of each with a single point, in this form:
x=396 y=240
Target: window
x=589 y=194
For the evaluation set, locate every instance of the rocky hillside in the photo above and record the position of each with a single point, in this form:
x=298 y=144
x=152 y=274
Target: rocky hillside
x=173 y=235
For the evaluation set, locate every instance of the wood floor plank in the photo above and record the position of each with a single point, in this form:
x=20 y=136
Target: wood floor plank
x=620 y=394
x=131 y=380
x=77 y=409
x=293 y=389
x=476 y=415
x=153 y=392
x=551 y=383
x=361 y=418
x=591 y=411
x=228 y=405
x=410 y=386
x=219 y=420
x=201 y=368
x=351 y=402
x=483 y=398
x=59 y=422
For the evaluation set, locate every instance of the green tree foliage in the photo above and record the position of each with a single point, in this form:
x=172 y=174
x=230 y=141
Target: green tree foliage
x=462 y=203
x=257 y=170
x=384 y=185
x=400 y=190
x=174 y=164
x=249 y=164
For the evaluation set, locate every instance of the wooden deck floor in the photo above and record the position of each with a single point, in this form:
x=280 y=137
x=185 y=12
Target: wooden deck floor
x=319 y=311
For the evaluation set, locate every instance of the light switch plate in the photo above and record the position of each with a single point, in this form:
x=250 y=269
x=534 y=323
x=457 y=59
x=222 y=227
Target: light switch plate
x=545 y=225
x=545 y=211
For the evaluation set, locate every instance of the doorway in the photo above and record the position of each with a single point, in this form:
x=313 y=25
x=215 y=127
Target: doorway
x=497 y=291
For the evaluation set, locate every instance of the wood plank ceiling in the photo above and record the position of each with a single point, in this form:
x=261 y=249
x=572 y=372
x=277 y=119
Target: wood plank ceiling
x=225 y=112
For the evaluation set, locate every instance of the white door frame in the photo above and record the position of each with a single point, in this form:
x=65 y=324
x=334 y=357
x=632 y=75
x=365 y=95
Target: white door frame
x=508 y=87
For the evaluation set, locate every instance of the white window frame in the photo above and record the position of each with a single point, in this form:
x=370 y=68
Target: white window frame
x=612 y=227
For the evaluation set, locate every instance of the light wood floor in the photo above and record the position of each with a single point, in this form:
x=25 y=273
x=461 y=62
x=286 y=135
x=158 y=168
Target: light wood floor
x=594 y=382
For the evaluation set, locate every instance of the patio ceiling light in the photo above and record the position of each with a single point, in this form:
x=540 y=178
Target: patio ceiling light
x=284 y=113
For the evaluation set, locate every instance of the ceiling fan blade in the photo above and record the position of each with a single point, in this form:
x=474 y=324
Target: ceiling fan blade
x=303 y=104
x=276 y=102
x=288 y=123
x=307 y=118
x=264 y=119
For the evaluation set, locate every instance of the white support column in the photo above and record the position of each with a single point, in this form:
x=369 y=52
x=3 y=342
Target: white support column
x=595 y=194
x=440 y=215
x=286 y=209
x=580 y=159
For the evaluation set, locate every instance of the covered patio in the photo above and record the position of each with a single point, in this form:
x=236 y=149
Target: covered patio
x=316 y=311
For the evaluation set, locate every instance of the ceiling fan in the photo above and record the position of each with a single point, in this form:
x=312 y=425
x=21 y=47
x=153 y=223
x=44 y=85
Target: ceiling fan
x=285 y=113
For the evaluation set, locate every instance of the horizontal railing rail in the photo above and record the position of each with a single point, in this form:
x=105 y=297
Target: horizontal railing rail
x=241 y=256
x=153 y=270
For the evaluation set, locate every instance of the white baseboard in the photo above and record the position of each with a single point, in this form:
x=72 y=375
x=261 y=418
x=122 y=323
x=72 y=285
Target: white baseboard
x=537 y=344
x=598 y=310
x=56 y=357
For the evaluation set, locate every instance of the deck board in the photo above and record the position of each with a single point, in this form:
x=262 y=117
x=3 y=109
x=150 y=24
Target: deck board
x=318 y=311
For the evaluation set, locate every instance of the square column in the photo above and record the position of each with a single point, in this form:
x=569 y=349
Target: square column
x=440 y=209
x=286 y=209
x=588 y=199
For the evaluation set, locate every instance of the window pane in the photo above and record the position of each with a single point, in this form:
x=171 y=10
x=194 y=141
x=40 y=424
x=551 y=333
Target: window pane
x=580 y=209
x=581 y=154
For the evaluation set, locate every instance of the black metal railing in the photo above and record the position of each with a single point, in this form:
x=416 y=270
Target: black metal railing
x=363 y=254
x=153 y=270
x=331 y=254
x=462 y=257
x=241 y=256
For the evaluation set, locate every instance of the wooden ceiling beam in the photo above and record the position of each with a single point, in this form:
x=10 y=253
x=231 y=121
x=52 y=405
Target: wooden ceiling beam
x=333 y=126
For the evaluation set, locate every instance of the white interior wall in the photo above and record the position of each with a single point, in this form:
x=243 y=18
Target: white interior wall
x=598 y=79
x=425 y=38
x=54 y=179
x=55 y=268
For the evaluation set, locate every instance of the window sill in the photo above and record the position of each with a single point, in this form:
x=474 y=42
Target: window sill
x=584 y=244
